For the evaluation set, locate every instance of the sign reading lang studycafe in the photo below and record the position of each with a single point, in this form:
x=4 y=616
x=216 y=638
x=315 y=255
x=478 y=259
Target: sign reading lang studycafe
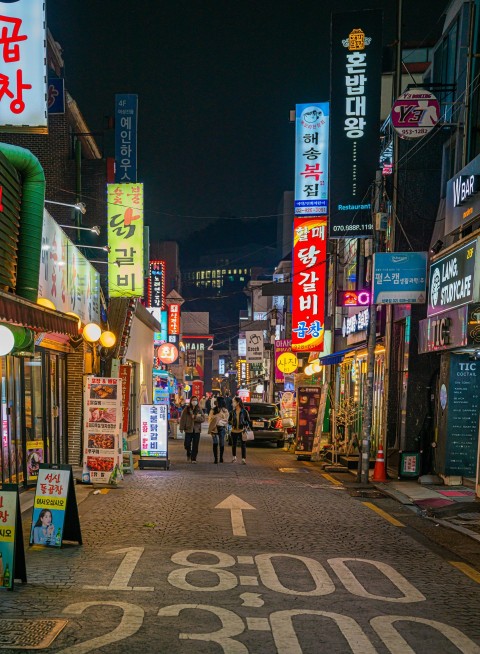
x=311 y=159
x=23 y=77
x=309 y=270
x=125 y=239
x=452 y=280
x=356 y=70
x=399 y=277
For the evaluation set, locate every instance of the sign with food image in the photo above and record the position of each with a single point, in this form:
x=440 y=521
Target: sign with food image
x=307 y=407
x=102 y=452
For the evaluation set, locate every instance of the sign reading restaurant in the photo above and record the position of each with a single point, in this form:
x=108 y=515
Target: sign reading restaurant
x=452 y=279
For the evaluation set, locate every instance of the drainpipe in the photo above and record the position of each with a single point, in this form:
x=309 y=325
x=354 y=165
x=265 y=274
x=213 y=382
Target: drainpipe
x=31 y=218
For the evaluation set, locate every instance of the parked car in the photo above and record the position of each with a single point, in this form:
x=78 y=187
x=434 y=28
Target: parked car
x=266 y=422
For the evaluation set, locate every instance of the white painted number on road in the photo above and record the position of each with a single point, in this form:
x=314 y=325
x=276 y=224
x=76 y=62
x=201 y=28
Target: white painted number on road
x=269 y=577
x=225 y=580
x=125 y=571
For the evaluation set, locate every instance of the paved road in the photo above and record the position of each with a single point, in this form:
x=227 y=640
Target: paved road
x=307 y=568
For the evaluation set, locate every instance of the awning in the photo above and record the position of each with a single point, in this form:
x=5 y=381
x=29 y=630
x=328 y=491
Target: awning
x=336 y=357
x=22 y=312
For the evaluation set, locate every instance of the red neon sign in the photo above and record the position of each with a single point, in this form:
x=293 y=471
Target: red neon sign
x=353 y=298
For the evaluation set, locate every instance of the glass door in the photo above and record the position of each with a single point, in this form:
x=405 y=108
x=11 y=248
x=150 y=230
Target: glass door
x=35 y=448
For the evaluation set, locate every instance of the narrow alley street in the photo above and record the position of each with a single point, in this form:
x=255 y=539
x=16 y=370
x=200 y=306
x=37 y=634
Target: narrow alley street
x=291 y=563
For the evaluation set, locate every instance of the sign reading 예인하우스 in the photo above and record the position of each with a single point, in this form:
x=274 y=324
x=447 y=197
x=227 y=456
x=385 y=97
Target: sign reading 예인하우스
x=356 y=73
x=12 y=554
x=126 y=118
x=55 y=511
x=102 y=426
x=308 y=289
x=23 y=57
x=311 y=159
x=125 y=239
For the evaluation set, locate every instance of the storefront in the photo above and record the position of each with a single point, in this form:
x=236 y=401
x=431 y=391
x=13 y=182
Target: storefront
x=452 y=329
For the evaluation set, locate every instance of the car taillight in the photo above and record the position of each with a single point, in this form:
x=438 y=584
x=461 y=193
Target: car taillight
x=278 y=423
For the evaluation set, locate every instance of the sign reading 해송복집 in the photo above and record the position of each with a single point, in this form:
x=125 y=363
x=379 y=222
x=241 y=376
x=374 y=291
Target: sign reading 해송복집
x=452 y=279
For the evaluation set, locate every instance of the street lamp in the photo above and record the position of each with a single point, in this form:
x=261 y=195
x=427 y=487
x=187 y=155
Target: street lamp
x=105 y=248
x=95 y=229
x=79 y=206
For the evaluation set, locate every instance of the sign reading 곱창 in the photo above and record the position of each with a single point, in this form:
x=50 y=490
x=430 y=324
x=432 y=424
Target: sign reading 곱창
x=356 y=69
x=125 y=239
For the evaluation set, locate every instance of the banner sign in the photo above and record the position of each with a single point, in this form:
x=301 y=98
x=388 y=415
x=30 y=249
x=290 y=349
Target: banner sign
x=125 y=239
x=154 y=422
x=55 y=510
x=66 y=276
x=308 y=289
x=356 y=72
x=125 y=373
x=56 y=96
x=23 y=41
x=254 y=346
x=102 y=424
x=174 y=319
x=415 y=113
x=399 y=277
x=126 y=118
x=452 y=279
x=281 y=346
x=311 y=159
x=156 y=285
x=12 y=553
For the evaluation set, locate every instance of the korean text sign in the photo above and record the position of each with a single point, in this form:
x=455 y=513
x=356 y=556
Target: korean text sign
x=399 y=277
x=254 y=346
x=126 y=118
x=174 y=319
x=49 y=507
x=156 y=285
x=311 y=159
x=125 y=239
x=452 y=280
x=103 y=421
x=8 y=517
x=23 y=72
x=356 y=69
x=153 y=419
x=309 y=271
x=281 y=346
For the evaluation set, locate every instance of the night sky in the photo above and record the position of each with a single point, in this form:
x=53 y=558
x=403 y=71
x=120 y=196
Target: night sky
x=216 y=81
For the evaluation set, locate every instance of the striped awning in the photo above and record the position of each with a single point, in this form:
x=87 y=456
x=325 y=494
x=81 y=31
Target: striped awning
x=18 y=311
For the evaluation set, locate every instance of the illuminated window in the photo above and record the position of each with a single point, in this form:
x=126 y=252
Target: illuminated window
x=202 y=274
x=207 y=274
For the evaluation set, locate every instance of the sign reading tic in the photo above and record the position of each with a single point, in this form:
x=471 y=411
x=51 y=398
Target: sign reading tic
x=23 y=70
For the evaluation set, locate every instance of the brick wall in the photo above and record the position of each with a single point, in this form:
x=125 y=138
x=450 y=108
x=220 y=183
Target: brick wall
x=75 y=367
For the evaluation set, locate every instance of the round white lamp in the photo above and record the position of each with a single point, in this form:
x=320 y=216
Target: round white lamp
x=108 y=339
x=92 y=332
x=7 y=340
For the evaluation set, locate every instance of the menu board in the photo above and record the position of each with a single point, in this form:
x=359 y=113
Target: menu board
x=463 y=410
x=153 y=418
x=35 y=456
x=102 y=426
x=308 y=401
x=12 y=554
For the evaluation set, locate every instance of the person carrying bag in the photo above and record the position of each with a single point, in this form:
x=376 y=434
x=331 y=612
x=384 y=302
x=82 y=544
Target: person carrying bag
x=217 y=427
x=191 y=423
x=240 y=421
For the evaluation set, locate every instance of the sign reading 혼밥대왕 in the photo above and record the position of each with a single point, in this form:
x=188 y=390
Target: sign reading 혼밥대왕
x=356 y=70
x=399 y=277
x=452 y=279
x=125 y=239
x=311 y=159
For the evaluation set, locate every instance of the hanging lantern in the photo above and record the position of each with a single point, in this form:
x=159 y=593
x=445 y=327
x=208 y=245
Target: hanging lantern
x=7 y=340
x=92 y=332
x=108 y=339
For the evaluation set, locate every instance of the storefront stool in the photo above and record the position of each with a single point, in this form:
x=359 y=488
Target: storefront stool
x=128 y=468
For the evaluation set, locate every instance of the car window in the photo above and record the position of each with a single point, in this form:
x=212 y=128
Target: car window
x=266 y=410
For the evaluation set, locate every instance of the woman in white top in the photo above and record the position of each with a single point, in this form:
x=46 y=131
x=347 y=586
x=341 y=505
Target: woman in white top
x=217 y=427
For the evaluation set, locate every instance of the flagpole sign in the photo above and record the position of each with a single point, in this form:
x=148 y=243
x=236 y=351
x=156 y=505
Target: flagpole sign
x=154 y=436
x=309 y=274
x=311 y=159
x=356 y=73
x=23 y=52
x=12 y=553
x=102 y=426
x=55 y=511
x=125 y=240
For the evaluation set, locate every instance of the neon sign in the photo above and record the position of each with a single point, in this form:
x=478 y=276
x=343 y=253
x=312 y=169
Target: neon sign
x=353 y=298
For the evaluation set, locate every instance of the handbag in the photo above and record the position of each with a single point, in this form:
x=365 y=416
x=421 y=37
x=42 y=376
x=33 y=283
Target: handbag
x=248 y=435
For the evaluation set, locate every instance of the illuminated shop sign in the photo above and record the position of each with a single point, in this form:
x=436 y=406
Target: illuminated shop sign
x=311 y=159
x=452 y=280
x=462 y=203
x=357 y=323
x=126 y=112
x=356 y=58
x=353 y=298
x=174 y=319
x=415 y=113
x=156 y=285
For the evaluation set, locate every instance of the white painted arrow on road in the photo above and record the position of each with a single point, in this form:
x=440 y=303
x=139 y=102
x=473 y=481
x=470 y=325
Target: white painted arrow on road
x=236 y=505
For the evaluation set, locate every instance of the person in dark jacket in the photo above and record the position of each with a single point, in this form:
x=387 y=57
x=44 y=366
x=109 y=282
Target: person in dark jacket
x=240 y=420
x=191 y=423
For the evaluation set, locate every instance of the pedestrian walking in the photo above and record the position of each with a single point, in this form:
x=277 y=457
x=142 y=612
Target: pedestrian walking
x=217 y=427
x=191 y=423
x=240 y=420
x=203 y=403
x=228 y=402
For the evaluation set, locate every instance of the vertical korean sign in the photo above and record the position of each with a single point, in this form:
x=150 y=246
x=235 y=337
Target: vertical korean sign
x=153 y=419
x=311 y=159
x=174 y=319
x=156 y=285
x=23 y=71
x=49 y=507
x=103 y=420
x=356 y=70
x=309 y=270
x=8 y=519
x=126 y=119
x=125 y=239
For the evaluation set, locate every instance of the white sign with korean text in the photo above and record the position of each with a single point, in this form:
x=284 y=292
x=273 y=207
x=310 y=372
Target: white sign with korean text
x=154 y=433
x=254 y=347
x=23 y=70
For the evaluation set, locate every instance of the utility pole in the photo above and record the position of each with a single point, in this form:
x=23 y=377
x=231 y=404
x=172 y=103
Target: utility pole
x=364 y=461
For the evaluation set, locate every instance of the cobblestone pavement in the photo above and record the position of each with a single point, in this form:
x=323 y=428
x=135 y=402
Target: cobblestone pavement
x=161 y=570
